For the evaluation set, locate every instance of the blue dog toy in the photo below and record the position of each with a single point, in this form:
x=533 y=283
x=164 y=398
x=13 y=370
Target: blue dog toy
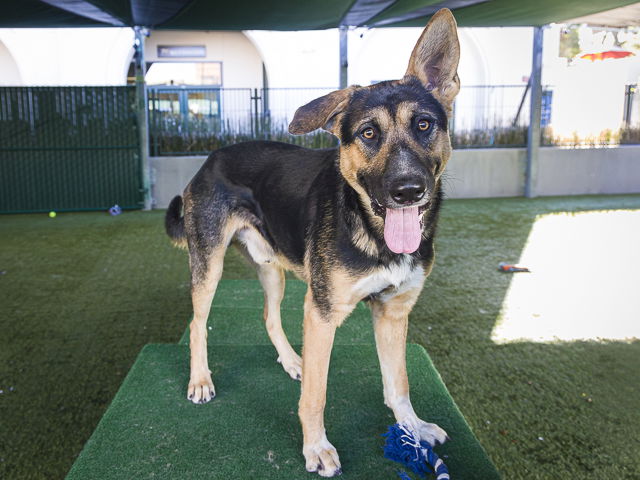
x=403 y=447
x=115 y=210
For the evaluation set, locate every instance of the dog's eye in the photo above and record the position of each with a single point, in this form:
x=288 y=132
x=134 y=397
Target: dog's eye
x=423 y=125
x=368 y=133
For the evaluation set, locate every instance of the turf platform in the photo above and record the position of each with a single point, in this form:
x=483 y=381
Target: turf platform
x=251 y=429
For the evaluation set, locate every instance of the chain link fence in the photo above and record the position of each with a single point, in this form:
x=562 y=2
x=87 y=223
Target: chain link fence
x=69 y=148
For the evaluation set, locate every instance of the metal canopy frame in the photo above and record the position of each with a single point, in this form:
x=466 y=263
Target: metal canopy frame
x=290 y=14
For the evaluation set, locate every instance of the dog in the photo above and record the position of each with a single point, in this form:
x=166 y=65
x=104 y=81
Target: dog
x=356 y=222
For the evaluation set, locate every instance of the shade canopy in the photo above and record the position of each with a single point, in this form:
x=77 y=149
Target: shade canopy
x=290 y=14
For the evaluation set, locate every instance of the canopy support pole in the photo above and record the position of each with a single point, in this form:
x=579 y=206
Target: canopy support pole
x=344 y=61
x=533 y=133
x=142 y=113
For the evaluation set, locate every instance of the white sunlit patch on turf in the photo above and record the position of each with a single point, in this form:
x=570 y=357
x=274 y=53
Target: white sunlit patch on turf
x=584 y=282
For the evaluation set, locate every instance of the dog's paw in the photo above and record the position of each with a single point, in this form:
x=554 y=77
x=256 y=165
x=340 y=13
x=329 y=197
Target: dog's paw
x=292 y=364
x=322 y=458
x=201 y=390
x=429 y=432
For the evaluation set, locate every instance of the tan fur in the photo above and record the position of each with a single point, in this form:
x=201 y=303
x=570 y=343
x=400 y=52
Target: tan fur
x=363 y=241
x=201 y=387
x=390 y=321
x=319 y=333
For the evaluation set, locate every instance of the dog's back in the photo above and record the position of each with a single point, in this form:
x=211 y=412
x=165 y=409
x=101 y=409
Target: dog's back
x=274 y=182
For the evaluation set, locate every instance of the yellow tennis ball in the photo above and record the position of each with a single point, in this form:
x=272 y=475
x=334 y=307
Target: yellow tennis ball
x=52 y=214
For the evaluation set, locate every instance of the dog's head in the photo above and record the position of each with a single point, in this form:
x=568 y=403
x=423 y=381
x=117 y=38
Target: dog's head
x=394 y=140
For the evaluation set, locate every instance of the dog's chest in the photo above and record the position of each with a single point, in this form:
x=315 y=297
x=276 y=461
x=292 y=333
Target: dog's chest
x=387 y=282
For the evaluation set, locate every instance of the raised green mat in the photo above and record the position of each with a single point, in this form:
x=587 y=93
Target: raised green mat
x=251 y=429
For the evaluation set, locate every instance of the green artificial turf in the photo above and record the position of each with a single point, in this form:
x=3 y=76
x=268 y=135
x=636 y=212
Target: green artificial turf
x=81 y=294
x=251 y=428
x=236 y=316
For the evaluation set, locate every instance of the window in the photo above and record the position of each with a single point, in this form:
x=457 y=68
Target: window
x=185 y=73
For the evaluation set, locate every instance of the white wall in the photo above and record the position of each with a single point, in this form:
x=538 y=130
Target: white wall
x=241 y=61
x=9 y=73
x=299 y=59
x=294 y=59
x=101 y=56
x=83 y=56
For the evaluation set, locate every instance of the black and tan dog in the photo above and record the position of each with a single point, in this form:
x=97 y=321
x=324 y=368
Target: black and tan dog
x=355 y=223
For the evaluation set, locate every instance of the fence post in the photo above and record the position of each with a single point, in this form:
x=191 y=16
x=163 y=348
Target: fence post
x=533 y=134
x=344 y=59
x=143 y=113
x=255 y=98
x=627 y=114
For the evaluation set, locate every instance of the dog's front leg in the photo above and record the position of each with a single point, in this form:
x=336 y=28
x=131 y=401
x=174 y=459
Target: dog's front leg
x=319 y=332
x=391 y=318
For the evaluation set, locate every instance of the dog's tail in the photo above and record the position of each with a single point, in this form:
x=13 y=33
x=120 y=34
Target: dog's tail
x=174 y=223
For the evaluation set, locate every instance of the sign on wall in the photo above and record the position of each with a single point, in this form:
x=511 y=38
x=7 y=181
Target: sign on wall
x=182 y=51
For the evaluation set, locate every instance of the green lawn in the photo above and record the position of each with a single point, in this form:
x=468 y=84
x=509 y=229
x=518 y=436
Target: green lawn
x=81 y=294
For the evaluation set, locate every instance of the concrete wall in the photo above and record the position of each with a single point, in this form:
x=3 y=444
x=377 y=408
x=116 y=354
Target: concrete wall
x=497 y=172
x=589 y=170
x=485 y=172
x=169 y=176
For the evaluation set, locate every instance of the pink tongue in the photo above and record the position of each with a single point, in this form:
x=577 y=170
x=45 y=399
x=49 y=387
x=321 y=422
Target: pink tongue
x=402 y=229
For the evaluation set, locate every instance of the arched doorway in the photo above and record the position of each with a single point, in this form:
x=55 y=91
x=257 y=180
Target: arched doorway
x=10 y=72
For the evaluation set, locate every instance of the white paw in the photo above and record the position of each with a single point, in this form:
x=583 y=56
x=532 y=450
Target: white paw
x=429 y=432
x=201 y=390
x=292 y=364
x=322 y=458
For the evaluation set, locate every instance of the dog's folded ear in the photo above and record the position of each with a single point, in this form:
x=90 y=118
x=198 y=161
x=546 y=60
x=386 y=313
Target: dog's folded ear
x=434 y=60
x=321 y=112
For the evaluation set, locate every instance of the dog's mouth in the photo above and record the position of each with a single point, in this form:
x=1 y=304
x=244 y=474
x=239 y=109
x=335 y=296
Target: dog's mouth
x=402 y=226
x=381 y=211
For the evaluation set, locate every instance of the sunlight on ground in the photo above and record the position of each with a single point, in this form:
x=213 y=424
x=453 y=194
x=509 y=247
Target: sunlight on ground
x=584 y=282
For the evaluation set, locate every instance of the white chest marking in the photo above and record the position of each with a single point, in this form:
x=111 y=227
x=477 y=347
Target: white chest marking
x=400 y=276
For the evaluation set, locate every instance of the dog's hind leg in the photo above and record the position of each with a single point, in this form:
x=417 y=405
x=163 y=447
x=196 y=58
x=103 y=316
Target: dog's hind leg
x=208 y=237
x=260 y=254
x=272 y=280
x=206 y=270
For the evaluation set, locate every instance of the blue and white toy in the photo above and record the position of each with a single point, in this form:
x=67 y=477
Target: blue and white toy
x=115 y=210
x=403 y=446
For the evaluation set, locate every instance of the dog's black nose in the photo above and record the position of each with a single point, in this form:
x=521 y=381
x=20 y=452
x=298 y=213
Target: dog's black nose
x=410 y=192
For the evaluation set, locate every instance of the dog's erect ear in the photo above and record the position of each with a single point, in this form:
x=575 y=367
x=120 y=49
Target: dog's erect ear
x=435 y=58
x=321 y=112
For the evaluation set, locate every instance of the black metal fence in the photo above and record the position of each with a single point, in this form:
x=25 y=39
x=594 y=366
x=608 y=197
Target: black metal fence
x=69 y=148
x=490 y=116
x=195 y=121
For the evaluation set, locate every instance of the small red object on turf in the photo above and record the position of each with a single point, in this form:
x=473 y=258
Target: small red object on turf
x=510 y=268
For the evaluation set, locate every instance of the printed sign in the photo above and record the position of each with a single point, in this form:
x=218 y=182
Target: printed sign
x=181 y=51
